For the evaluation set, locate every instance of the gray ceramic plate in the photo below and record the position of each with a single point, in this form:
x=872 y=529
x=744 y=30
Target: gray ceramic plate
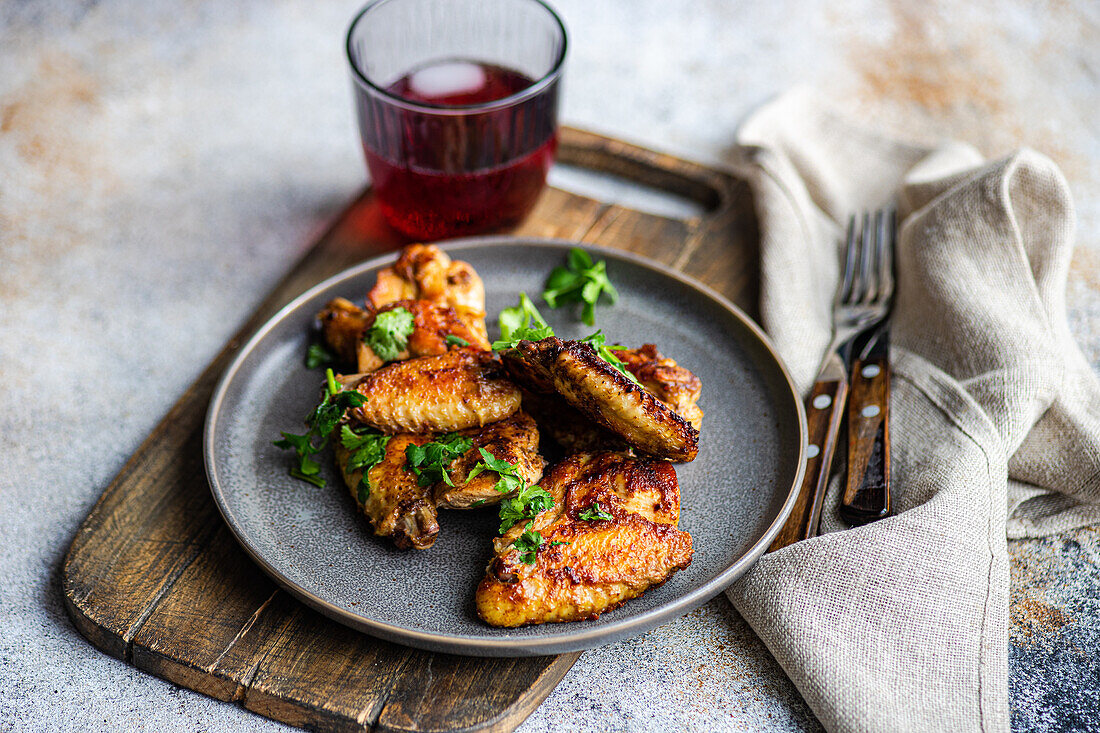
x=735 y=495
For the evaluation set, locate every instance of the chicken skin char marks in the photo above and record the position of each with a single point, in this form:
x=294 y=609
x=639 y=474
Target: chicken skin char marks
x=436 y=394
x=604 y=395
x=395 y=504
x=425 y=272
x=400 y=508
x=609 y=537
x=345 y=325
x=514 y=439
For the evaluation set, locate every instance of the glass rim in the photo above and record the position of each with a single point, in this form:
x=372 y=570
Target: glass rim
x=532 y=90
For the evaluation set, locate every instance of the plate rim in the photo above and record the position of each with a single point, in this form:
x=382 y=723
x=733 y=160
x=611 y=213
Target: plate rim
x=575 y=640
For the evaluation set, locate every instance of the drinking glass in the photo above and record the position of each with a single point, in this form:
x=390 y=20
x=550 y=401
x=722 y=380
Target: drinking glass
x=457 y=102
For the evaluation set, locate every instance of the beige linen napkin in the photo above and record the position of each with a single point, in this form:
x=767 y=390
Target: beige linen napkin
x=902 y=625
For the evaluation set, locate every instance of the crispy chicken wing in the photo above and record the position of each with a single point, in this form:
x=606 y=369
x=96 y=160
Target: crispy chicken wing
x=436 y=394
x=610 y=536
x=344 y=325
x=567 y=426
x=397 y=507
x=600 y=392
x=514 y=439
x=672 y=384
x=425 y=272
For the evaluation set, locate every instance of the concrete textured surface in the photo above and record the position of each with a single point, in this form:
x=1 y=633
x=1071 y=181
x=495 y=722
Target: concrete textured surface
x=162 y=164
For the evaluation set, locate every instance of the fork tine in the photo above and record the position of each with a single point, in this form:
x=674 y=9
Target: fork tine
x=867 y=238
x=844 y=292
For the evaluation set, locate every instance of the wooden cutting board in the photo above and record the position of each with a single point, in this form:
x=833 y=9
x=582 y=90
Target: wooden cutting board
x=154 y=576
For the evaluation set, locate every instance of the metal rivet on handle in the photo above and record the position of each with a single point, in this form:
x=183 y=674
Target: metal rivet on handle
x=869 y=411
x=822 y=401
x=812 y=451
x=870 y=371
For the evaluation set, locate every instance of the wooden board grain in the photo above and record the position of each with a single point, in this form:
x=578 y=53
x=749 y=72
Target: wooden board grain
x=154 y=577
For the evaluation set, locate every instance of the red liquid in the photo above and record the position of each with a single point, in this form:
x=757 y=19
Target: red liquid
x=444 y=175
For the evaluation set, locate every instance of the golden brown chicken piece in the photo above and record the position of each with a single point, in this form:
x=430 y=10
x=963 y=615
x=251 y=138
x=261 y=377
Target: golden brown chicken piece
x=397 y=507
x=514 y=439
x=567 y=426
x=609 y=537
x=436 y=394
x=344 y=326
x=672 y=384
x=604 y=395
x=425 y=272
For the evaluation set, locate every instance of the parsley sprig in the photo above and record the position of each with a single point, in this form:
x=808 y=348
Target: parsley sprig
x=322 y=421
x=529 y=501
x=528 y=544
x=318 y=356
x=510 y=480
x=579 y=281
x=594 y=513
x=367 y=448
x=432 y=461
x=599 y=343
x=453 y=340
x=522 y=322
x=527 y=504
x=525 y=322
x=389 y=334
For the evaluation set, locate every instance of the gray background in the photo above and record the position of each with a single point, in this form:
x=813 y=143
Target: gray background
x=162 y=164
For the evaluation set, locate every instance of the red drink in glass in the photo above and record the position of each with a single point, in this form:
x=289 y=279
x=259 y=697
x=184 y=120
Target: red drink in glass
x=431 y=188
x=457 y=105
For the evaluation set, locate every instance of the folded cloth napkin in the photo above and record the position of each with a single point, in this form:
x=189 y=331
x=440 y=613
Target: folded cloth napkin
x=902 y=625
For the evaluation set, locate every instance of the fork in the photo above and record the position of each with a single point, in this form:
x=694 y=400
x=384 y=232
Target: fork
x=861 y=302
x=866 y=494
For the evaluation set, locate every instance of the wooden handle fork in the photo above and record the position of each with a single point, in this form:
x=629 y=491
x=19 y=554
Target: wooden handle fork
x=867 y=489
x=824 y=410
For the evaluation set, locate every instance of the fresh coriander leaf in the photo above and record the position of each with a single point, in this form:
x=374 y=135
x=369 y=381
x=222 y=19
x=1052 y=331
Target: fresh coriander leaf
x=364 y=490
x=607 y=353
x=453 y=340
x=322 y=421
x=528 y=545
x=477 y=503
x=522 y=322
x=318 y=356
x=300 y=443
x=327 y=415
x=367 y=448
x=579 y=281
x=594 y=512
x=555 y=543
x=431 y=462
x=312 y=478
x=389 y=334
x=527 y=504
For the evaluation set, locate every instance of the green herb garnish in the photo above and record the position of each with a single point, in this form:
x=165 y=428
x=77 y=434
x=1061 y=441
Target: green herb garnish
x=453 y=340
x=322 y=421
x=431 y=461
x=607 y=353
x=594 y=512
x=318 y=356
x=510 y=480
x=527 y=504
x=528 y=501
x=522 y=322
x=528 y=544
x=367 y=449
x=579 y=281
x=389 y=334
x=555 y=543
